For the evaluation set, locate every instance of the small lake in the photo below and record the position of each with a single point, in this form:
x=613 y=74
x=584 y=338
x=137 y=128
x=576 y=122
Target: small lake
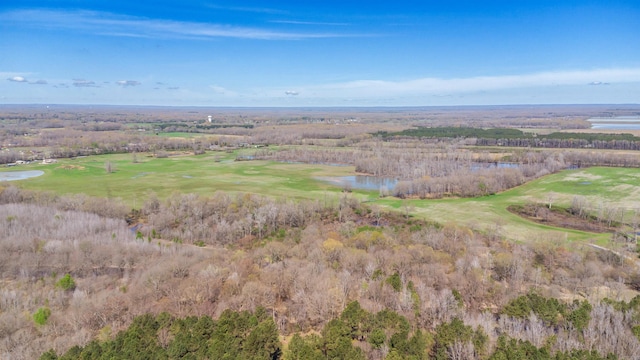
x=616 y=126
x=19 y=175
x=362 y=182
x=375 y=183
x=616 y=123
x=494 y=165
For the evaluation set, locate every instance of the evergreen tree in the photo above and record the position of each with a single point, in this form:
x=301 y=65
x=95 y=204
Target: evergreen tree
x=263 y=342
x=304 y=348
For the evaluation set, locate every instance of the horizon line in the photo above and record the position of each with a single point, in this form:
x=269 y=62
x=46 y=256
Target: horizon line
x=320 y=106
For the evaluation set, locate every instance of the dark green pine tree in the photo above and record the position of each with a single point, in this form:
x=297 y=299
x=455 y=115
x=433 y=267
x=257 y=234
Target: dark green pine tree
x=263 y=342
x=337 y=342
x=307 y=348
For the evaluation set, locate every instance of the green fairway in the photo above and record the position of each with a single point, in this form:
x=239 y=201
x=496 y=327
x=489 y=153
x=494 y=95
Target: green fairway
x=619 y=187
x=205 y=174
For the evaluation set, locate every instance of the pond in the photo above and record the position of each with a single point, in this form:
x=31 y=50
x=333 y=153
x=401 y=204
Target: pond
x=494 y=165
x=362 y=182
x=19 y=175
x=375 y=183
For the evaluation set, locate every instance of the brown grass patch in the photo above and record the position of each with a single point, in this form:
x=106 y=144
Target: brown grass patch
x=71 y=167
x=559 y=217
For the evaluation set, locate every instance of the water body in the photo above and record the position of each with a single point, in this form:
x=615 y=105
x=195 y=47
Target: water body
x=494 y=165
x=19 y=175
x=375 y=183
x=362 y=182
x=616 y=123
x=615 y=126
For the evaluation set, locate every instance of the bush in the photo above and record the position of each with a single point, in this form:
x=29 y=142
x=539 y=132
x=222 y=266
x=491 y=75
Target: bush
x=395 y=282
x=66 y=283
x=41 y=316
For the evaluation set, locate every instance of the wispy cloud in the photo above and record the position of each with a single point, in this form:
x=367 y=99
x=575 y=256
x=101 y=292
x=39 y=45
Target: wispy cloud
x=110 y=24
x=84 y=83
x=127 y=83
x=261 y=10
x=296 y=22
x=222 y=90
x=39 y=82
x=439 y=86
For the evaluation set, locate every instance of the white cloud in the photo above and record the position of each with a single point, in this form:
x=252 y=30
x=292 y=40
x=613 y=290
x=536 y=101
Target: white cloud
x=21 y=79
x=84 y=83
x=442 y=86
x=127 y=83
x=291 y=92
x=104 y=23
x=247 y=9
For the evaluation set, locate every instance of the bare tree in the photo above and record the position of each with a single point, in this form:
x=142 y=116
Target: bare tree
x=109 y=167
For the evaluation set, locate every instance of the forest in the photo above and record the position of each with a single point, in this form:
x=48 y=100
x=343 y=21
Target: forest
x=519 y=138
x=230 y=268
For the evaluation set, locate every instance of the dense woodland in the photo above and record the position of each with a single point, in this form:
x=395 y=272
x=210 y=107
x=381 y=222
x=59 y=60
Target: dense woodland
x=233 y=275
x=517 y=138
x=303 y=274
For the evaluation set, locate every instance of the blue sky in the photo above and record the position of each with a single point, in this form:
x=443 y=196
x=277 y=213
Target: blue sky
x=319 y=53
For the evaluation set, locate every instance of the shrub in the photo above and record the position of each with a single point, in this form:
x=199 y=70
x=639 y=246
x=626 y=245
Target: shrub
x=66 y=283
x=41 y=316
x=395 y=282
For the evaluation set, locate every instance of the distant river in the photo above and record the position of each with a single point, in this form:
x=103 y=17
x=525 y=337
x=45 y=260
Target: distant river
x=19 y=175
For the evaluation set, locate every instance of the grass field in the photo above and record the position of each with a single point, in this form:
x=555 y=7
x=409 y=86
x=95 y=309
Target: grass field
x=205 y=174
x=613 y=187
x=202 y=174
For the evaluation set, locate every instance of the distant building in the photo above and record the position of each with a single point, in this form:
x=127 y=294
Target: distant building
x=209 y=118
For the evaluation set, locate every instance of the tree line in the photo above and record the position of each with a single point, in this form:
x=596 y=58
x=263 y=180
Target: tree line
x=355 y=334
x=516 y=138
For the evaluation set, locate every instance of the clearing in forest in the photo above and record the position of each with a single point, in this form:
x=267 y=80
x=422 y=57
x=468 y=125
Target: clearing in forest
x=133 y=181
